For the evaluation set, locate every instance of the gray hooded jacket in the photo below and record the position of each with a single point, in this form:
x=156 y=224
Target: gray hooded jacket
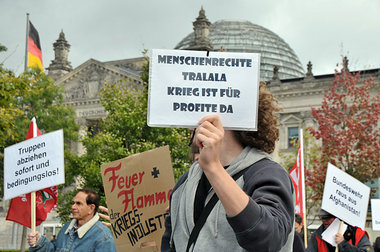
x=266 y=224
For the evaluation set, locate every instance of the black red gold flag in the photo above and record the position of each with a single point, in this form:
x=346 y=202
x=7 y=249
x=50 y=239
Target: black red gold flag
x=34 y=48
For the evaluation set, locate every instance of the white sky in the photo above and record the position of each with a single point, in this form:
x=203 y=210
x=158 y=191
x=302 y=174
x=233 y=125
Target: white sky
x=317 y=30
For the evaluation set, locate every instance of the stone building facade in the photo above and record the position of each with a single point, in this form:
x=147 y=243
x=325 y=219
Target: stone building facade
x=296 y=90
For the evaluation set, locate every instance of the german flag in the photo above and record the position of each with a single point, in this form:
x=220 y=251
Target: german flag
x=34 y=48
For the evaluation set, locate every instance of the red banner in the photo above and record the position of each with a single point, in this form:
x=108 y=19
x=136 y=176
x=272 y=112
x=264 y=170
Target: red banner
x=296 y=174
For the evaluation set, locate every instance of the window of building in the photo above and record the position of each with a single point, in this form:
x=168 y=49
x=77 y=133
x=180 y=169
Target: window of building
x=374 y=185
x=292 y=136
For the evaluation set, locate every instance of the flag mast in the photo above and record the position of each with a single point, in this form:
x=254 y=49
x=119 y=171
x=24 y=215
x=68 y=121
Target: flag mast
x=26 y=42
x=303 y=189
x=33 y=194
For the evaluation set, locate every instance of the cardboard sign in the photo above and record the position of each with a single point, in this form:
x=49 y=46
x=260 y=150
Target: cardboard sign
x=345 y=197
x=137 y=190
x=34 y=164
x=375 y=207
x=184 y=86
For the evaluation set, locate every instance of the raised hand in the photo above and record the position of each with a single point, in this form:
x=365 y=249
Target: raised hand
x=209 y=137
x=33 y=238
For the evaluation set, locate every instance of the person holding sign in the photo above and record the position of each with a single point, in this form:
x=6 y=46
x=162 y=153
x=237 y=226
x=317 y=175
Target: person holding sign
x=84 y=233
x=254 y=207
x=353 y=239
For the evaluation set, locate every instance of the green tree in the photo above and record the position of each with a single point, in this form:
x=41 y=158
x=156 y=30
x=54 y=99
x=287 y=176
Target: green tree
x=33 y=94
x=10 y=87
x=123 y=132
x=348 y=129
x=2 y=48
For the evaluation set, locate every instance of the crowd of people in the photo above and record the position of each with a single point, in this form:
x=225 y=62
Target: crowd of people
x=233 y=198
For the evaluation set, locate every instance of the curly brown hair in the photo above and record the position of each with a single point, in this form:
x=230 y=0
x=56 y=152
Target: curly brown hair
x=267 y=125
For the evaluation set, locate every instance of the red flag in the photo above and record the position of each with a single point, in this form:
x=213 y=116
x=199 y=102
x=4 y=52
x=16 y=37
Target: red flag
x=297 y=176
x=20 y=210
x=34 y=48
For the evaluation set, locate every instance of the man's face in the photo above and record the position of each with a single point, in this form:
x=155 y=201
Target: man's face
x=298 y=227
x=80 y=210
x=326 y=221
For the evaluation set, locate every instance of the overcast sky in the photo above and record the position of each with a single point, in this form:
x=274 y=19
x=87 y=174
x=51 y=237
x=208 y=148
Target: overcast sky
x=320 y=31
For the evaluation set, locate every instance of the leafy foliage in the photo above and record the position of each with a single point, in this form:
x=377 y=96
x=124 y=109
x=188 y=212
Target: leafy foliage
x=124 y=132
x=2 y=48
x=10 y=88
x=65 y=201
x=33 y=94
x=348 y=128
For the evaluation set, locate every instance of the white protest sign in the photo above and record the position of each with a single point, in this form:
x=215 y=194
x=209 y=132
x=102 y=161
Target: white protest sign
x=184 y=86
x=345 y=197
x=375 y=207
x=34 y=164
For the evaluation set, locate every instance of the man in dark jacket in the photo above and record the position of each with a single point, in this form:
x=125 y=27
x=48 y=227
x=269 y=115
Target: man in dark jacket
x=298 y=245
x=353 y=239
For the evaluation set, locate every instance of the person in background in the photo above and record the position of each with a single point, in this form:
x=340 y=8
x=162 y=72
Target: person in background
x=298 y=244
x=84 y=233
x=353 y=239
x=298 y=223
x=253 y=213
x=299 y=226
x=52 y=238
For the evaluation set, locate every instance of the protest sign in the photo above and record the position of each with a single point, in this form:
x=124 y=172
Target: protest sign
x=34 y=164
x=137 y=190
x=184 y=86
x=345 y=197
x=330 y=232
x=375 y=207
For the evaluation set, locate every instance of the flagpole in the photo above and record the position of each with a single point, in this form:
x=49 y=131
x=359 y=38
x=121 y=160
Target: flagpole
x=340 y=232
x=33 y=194
x=303 y=189
x=22 y=249
x=26 y=42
